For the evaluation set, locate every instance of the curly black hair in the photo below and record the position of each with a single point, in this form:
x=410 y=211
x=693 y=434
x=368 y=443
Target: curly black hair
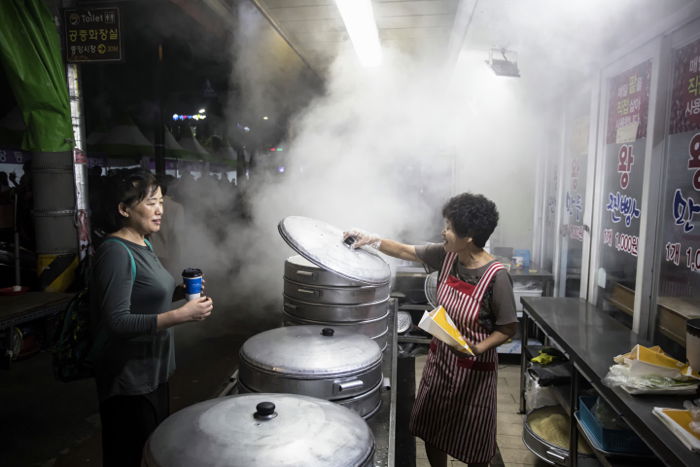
x=472 y=216
x=128 y=186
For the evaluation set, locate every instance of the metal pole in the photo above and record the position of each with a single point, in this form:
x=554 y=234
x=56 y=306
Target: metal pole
x=159 y=133
x=18 y=284
x=80 y=161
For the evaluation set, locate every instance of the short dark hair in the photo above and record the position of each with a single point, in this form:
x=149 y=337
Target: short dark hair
x=472 y=216
x=164 y=181
x=128 y=186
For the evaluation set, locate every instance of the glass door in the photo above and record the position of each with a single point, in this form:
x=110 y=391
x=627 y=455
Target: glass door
x=575 y=162
x=678 y=248
x=622 y=148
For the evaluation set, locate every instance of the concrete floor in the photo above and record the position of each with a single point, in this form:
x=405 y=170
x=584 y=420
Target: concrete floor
x=46 y=423
x=509 y=425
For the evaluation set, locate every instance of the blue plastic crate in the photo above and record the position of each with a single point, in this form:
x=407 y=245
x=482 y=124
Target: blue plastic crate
x=621 y=441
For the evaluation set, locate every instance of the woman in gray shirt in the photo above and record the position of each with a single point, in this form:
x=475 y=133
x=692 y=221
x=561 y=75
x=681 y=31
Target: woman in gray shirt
x=131 y=296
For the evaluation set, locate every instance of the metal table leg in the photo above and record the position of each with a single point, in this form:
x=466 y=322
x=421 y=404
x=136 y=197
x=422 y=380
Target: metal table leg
x=573 y=430
x=524 y=325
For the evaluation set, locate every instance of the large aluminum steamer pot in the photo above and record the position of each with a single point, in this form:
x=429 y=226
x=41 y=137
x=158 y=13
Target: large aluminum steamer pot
x=312 y=360
x=334 y=313
x=370 y=328
x=365 y=405
x=336 y=295
x=381 y=338
x=299 y=269
x=254 y=430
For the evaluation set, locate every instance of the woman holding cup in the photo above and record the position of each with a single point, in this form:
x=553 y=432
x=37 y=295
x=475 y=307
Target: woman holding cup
x=131 y=295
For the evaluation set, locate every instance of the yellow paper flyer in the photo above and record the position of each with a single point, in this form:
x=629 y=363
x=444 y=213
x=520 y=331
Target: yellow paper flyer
x=439 y=324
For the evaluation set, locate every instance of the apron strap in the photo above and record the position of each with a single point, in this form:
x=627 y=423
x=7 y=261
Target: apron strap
x=486 y=279
x=446 y=266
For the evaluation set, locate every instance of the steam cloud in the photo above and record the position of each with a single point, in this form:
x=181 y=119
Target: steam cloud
x=383 y=149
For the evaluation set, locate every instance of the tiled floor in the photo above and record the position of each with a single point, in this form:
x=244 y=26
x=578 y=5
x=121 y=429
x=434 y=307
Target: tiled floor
x=509 y=424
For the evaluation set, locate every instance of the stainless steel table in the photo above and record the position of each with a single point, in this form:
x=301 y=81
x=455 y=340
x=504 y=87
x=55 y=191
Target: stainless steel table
x=590 y=339
x=18 y=309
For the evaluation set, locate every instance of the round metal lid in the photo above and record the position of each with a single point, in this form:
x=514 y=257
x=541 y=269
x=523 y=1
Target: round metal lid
x=311 y=351
x=283 y=430
x=322 y=244
x=403 y=322
x=430 y=288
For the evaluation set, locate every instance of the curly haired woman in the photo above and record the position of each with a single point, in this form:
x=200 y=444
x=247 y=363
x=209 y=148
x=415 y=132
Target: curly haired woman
x=455 y=407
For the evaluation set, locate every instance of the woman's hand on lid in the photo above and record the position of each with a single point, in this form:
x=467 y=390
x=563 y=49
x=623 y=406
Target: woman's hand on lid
x=361 y=238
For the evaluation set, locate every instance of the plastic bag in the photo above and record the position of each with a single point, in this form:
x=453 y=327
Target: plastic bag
x=693 y=408
x=537 y=396
x=607 y=418
x=624 y=377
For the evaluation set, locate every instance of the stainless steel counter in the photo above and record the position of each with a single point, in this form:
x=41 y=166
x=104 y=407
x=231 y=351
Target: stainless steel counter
x=590 y=339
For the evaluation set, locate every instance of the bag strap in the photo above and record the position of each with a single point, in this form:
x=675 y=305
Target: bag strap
x=131 y=256
x=101 y=339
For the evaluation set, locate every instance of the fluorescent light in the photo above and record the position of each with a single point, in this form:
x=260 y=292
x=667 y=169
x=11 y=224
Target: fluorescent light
x=362 y=29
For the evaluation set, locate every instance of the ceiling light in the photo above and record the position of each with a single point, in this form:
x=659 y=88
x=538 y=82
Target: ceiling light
x=507 y=66
x=202 y=111
x=265 y=117
x=362 y=29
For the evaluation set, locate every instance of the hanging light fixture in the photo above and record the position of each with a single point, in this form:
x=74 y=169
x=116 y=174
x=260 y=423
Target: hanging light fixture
x=358 y=17
x=507 y=66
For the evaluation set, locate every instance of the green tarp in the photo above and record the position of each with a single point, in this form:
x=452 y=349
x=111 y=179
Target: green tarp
x=30 y=52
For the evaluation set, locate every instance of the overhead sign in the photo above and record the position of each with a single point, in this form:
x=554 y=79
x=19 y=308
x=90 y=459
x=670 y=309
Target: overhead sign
x=92 y=35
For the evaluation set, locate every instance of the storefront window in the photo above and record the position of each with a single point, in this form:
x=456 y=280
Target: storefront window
x=620 y=201
x=679 y=280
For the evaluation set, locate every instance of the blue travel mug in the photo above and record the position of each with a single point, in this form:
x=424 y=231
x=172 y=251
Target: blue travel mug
x=192 y=277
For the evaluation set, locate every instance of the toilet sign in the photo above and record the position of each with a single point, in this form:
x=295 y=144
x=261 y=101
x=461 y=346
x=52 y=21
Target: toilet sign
x=92 y=35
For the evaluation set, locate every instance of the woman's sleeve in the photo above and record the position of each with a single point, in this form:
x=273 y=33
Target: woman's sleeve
x=113 y=284
x=503 y=303
x=432 y=255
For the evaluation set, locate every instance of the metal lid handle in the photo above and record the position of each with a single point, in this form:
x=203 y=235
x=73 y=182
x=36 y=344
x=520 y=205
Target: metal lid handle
x=265 y=411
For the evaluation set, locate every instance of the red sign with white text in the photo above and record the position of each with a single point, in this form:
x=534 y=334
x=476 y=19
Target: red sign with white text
x=629 y=101
x=685 y=100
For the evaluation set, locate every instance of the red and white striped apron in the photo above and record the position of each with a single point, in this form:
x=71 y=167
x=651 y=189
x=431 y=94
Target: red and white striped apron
x=455 y=407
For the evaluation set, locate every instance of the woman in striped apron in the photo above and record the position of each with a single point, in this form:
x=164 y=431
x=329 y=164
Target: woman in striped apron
x=455 y=407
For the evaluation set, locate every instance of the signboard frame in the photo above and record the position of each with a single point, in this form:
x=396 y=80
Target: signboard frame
x=93 y=35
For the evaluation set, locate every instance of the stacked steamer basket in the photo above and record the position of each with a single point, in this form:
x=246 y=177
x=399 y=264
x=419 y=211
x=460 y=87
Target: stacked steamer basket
x=332 y=285
x=340 y=366
x=316 y=296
